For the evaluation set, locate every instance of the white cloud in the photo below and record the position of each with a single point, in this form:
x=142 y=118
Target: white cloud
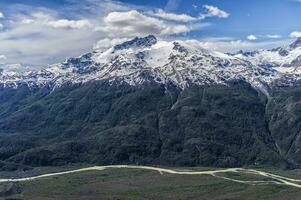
x=273 y=36
x=1 y=26
x=252 y=37
x=172 y=16
x=108 y=42
x=295 y=34
x=41 y=36
x=13 y=67
x=28 y=21
x=232 y=45
x=3 y=57
x=38 y=36
x=133 y=23
x=75 y=24
x=212 y=11
x=1 y=15
x=48 y=20
x=32 y=41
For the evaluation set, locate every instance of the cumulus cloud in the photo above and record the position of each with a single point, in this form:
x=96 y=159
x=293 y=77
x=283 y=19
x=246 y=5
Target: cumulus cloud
x=252 y=37
x=31 y=40
x=295 y=34
x=1 y=15
x=172 y=16
x=212 y=11
x=133 y=23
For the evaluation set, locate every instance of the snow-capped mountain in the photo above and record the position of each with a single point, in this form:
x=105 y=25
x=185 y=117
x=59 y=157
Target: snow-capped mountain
x=179 y=62
x=224 y=124
x=286 y=59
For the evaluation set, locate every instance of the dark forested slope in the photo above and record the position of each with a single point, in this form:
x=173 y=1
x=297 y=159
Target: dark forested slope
x=101 y=123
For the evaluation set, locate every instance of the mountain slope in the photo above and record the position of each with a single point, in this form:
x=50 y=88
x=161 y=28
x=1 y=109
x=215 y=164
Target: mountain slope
x=152 y=102
x=93 y=123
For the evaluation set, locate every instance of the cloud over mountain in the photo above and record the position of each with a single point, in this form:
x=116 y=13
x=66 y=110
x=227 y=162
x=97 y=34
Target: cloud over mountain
x=295 y=34
x=33 y=34
x=31 y=31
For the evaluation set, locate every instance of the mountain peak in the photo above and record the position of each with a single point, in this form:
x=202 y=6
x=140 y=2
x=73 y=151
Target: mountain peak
x=178 y=62
x=296 y=44
x=181 y=49
x=137 y=42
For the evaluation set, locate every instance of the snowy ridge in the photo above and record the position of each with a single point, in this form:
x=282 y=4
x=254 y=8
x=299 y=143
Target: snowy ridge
x=285 y=60
x=179 y=62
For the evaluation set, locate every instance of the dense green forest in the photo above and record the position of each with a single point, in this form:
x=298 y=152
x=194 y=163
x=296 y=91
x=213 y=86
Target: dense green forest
x=101 y=123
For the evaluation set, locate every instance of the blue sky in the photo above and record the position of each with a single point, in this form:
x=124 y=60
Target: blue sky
x=39 y=32
x=246 y=17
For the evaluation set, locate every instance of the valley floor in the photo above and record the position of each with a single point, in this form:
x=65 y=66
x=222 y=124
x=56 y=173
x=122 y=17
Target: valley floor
x=141 y=182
